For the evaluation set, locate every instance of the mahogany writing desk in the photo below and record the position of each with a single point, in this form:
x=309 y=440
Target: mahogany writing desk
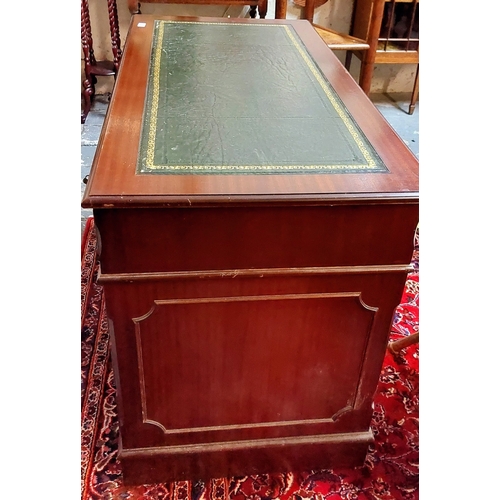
x=256 y=218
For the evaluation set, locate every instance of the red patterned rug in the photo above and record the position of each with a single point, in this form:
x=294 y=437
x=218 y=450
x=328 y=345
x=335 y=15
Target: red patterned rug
x=390 y=470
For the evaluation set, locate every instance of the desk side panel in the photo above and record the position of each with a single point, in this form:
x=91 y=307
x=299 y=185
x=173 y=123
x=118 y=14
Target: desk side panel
x=244 y=358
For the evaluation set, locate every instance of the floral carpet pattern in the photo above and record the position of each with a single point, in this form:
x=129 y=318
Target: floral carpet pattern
x=390 y=470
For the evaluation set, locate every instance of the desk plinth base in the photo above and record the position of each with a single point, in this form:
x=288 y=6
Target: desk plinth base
x=242 y=458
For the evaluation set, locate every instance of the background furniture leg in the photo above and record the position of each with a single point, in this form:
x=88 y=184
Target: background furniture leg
x=308 y=12
x=89 y=59
x=262 y=8
x=88 y=93
x=115 y=34
x=280 y=9
x=365 y=76
x=134 y=6
x=398 y=345
x=348 y=59
x=414 y=94
x=92 y=67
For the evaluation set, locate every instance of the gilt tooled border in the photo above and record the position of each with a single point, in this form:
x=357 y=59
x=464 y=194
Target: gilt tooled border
x=154 y=90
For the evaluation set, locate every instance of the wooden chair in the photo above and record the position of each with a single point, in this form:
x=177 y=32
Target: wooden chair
x=334 y=39
x=134 y=6
x=94 y=68
x=391 y=27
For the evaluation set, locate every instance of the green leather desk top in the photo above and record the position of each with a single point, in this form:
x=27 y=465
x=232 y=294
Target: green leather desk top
x=244 y=98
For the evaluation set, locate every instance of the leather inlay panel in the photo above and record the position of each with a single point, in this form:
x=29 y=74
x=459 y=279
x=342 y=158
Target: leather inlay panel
x=196 y=121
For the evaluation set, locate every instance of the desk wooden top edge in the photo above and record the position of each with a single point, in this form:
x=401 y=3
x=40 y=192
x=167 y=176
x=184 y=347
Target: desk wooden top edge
x=159 y=201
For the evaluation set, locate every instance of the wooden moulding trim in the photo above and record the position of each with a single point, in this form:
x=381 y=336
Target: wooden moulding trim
x=293 y=199
x=352 y=437
x=307 y=422
x=251 y=273
x=253 y=298
x=335 y=417
x=238 y=427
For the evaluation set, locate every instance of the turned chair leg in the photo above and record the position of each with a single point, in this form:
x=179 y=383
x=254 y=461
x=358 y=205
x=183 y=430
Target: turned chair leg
x=397 y=345
x=88 y=95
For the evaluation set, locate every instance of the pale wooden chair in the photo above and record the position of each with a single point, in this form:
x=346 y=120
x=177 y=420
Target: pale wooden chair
x=334 y=39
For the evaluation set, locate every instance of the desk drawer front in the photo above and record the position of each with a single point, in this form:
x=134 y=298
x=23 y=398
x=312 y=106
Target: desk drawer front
x=196 y=239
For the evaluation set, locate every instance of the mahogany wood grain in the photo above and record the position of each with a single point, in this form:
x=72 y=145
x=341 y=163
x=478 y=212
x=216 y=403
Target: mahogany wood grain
x=255 y=237
x=245 y=458
x=209 y=367
x=249 y=314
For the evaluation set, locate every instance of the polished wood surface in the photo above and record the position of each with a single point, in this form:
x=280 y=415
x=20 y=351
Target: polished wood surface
x=321 y=236
x=249 y=314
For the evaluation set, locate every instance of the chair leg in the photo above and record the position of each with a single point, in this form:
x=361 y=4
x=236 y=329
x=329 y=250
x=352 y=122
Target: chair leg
x=348 y=59
x=88 y=94
x=89 y=59
x=308 y=11
x=115 y=34
x=262 y=9
x=365 y=75
x=280 y=9
x=414 y=94
x=134 y=6
x=397 y=345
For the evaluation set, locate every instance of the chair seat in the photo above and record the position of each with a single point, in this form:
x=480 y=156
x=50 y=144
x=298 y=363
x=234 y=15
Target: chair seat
x=339 y=41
